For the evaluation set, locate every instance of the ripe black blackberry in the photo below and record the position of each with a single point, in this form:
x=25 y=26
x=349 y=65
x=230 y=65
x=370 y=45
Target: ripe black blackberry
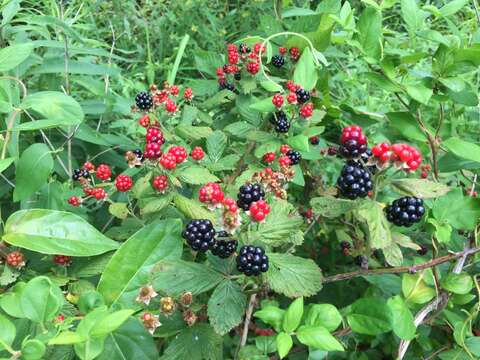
x=282 y=126
x=252 y=260
x=226 y=85
x=244 y=49
x=423 y=249
x=200 y=234
x=354 y=181
x=278 y=61
x=405 y=211
x=224 y=248
x=294 y=156
x=302 y=95
x=274 y=118
x=248 y=193
x=80 y=173
x=352 y=149
x=144 y=101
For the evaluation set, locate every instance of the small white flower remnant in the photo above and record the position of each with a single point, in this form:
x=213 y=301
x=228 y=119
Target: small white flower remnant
x=150 y=322
x=146 y=294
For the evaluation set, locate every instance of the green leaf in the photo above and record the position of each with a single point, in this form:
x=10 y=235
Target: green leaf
x=404 y=241
x=172 y=74
x=461 y=212
x=318 y=337
x=192 y=209
x=370 y=32
x=156 y=204
x=419 y=92
x=41 y=300
x=299 y=142
x=415 y=290
x=54 y=106
x=379 y=235
x=193 y=132
x=443 y=231
x=293 y=316
x=393 y=254
x=457 y=283
x=402 y=318
x=33 y=349
x=325 y=315
x=264 y=105
x=280 y=226
x=216 y=145
x=129 y=268
x=14 y=55
x=130 y=341
x=7 y=331
x=293 y=276
x=406 y=124
x=226 y=306
x=305 y=70
x=462 y=148
x=5 y=163
x=452 y=7
x=55 y=232
x=66 y=338
x=10 y=10
x=33 y=170
x=421 y=188
x=412 y=15
x=10 y=301
x=196 y=175
x=111 y=322
x=199 y=342
x=176 y=277
x=284 y=344
x=331 y=207
x=271 y=315
x=370 y=316
x=119 y=210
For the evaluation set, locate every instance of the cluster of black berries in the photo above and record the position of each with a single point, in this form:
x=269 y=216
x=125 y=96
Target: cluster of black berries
x=200 y=234
x=249 y=193
x=224 y=248
x=77 y=174
x=294 y=156
x=355 y=181
x=280 y=121
x=405 y=211
x=302 y=95
x=252 y=260
x=144 y=101
x=222 y=85
x=278 y=61
x=352 y=149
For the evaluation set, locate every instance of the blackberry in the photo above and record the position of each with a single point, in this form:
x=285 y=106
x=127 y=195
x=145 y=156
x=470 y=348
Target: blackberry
x=224 y=248
x=294 y=156
x=351 y=148
x=302 y=95
x=144 y=101
x=277 y=117
x=314 y=140
x=282 y=126
x=354 y=181
x=423 y=250
x=405 y=211
x=252 y=260
x=80 y=173
x=138 y=153
x=226 y=85
x=249 y=193
x=238 y=76
x=200 y=234
x=278 y=61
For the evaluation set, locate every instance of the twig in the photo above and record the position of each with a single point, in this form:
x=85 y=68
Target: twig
x=435 y=353
x=246 y=324
x=241 y=163
x=403 y=269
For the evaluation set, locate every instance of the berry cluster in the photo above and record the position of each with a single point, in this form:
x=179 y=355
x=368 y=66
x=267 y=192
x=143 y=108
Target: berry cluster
x=354 y=181
x=403 y=156
x=197 y=153
x=259 y=210
x=200 y=234
x=224 y=248
x=249 y=193
x=252 y=261
x=123 y=183
x=62 y=260
x=150 y=101
x=153 y=141
x=405 y=211
x=354 y=142
x=294 y=156
x=160 y=183
x=15 y=259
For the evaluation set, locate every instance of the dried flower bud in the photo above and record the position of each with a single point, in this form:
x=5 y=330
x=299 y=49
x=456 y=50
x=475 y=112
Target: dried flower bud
x=189 y=317
x=167 y=305
x=150 y=322
x=186 y=298
x=146 y=294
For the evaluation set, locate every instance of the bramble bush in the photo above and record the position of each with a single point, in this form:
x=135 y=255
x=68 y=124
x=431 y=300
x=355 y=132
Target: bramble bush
x=305 y=190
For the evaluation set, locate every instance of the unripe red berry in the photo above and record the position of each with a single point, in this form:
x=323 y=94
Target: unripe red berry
x=89 y=166
x=62 y=260
x=103 y=172
x=211 y=193
x=269 y=157
x=231 y=205
x=154 y=135
x=277 y=100
x=123 y=183
x=292 y=98
x=99 y=193
x=160 y=183
x=284 y=148
x=197 y=153
x=174 y=90
x=170 y=106
x=291 y=86
x=188 y=94
x=284 y=161
x=258 y=48
x=282 y=50
x=259 y=210
x=294 y=53
x=314 y=140
x=424 y=175
x=179 y=153
x=75 y=201
x=253 y=67
x=168 y=161
x=15 y=259
x=152 y=150
x=306 y=110
x=144 y=121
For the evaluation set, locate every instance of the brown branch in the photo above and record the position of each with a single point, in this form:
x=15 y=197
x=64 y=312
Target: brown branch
x=241 y=163
x=402 y=269
x=246 y=323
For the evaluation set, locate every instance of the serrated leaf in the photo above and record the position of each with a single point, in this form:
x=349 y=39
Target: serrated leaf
x=402 y=318
x=193 y=132
x=293 y=276
x=457 y=210
x=370 y=316
x=458 y=283
x=462 y=148
x=192 y=209
x=379 y=234
x=393 y=254
x=152 y=205
x=404 y=241
x=216 y=145
x=176 y=277
x=119 y=210
x=196 y=175
x=226 y=306
x=415 y=290
x=264 y=105
x=325 y=315
x=332 y=207
x=421 y=188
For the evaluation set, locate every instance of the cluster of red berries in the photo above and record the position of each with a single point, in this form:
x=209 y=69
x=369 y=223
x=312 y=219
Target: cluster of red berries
x=175 y=155
x=296 y=96
x=157 y=97
x=425 y=169
x=259 y=210
x=16 y=260
x=402 y=155
x=62 y=260
x=211 y=194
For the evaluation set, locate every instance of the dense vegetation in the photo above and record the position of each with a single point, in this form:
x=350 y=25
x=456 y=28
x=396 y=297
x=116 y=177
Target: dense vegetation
x=239 y=180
